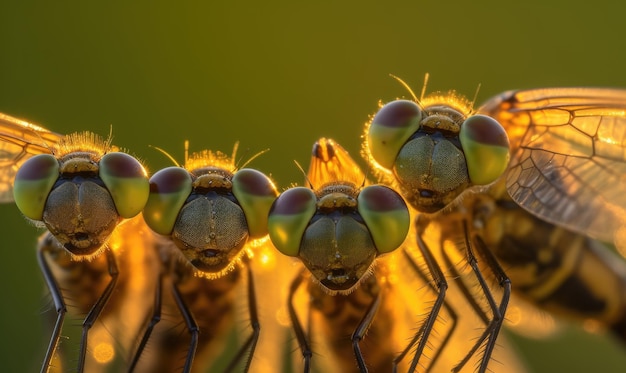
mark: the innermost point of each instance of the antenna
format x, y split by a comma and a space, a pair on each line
426, 76
236, 147
417, 100
168, 154
110, 138
186, 151
304, 173
365, 175
475, 97
253, 157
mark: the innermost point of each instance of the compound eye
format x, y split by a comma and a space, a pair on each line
486, 147
289, 217
127, 181
391, 127
169, 189
255, 193
33, 182
386, 215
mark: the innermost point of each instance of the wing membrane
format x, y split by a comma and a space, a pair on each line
20, 140
331, 162
568, 161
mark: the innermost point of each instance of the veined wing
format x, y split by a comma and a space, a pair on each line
81, 189
564, 143
330, 162
568, 161
20, 140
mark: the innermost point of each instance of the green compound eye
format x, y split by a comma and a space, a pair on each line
486, 147
391, 127
289, 217
255, 193
169, 189
33, 182
386, 215
127, 181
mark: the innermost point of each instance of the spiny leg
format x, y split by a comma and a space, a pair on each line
295, 322
493, 328
251, 341
465, 291
440, 282
59, 305
448, 308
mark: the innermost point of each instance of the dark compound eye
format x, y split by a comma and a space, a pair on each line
486, 147
33, 182
386, 215
169, 189
289, 217
255, 193
127, 181
391, 127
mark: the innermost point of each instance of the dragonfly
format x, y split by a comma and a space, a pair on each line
88, 195
210, 220
527, 190
338, 231
374, 312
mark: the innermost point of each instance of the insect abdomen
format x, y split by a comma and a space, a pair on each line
559, 270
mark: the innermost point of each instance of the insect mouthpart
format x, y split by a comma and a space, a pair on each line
339, 279
80, 243
210, 261
78, 250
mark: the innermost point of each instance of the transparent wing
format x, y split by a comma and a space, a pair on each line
20, 140
568, 152
330, 162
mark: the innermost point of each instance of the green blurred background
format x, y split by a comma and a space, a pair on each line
275, 75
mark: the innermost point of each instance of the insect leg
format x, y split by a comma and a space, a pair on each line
463, 288
97, 308
446, 305
59, 305
192, 327
442, 285
295, 322
250, 343
493, 328
362, 328
156, 317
